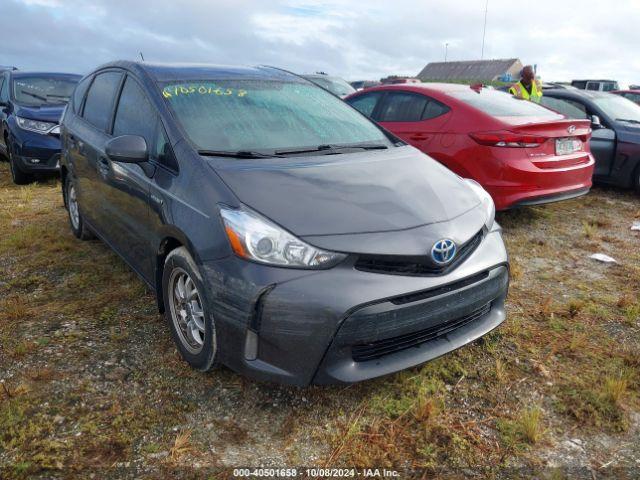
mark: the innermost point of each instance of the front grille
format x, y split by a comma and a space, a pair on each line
414, 266
377, 349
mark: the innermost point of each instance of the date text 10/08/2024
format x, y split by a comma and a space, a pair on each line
315, 472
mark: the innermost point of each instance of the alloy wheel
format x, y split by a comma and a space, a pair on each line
72, 202
187, 310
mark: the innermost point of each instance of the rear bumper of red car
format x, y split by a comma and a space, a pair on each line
525, 183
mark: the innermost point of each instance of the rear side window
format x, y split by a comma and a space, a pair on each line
99, 102
78, 93
501, 104
366, 103
135, 114
410, 107
434, 109
593, 86
402, 107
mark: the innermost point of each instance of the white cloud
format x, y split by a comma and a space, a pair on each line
355, 40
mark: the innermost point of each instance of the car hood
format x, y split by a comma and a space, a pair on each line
49, 113
359, 202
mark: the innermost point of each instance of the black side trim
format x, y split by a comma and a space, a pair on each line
465, 282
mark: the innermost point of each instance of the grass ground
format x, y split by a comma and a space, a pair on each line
90, 382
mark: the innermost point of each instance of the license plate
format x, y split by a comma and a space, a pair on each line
565, 146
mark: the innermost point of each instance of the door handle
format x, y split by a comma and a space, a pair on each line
419, 136
104, 166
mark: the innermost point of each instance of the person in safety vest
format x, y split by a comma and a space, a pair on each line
528, 88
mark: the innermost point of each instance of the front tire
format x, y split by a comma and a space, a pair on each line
187, 312
17, 175
76, 222
636, 179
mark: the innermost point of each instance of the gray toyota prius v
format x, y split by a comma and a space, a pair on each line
286, 235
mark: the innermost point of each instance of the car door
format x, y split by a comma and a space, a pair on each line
162, 156
126, 185
87, 138
415, 118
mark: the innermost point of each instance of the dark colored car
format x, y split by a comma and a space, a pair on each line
362, 84
595, 85
615, 141
335, 85
520, 152
633, 95
285, 234
31, 105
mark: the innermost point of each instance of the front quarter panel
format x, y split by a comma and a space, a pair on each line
185, 206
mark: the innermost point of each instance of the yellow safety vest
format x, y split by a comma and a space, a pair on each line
518, 91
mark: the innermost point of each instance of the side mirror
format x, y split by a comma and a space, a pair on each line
127, 149
595, 122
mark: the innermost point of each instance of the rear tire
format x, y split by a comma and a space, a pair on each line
636, 179
17, 175
78, 227
187, 311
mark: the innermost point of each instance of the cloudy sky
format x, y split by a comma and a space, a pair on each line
356, 40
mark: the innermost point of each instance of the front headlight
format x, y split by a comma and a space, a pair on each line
487, 202
253, 237
35, 125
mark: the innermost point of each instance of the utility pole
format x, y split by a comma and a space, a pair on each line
484, 30
446, 47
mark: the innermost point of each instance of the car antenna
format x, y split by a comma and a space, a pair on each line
141, 56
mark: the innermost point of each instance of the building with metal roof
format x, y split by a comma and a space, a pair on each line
472, 70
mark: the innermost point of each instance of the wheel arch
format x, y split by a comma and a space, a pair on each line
172, 239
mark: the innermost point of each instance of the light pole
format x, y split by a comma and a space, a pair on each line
484, 29
446, 47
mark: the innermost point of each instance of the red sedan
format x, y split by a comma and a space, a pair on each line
520, 152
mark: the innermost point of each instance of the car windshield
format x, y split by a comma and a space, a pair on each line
37, 91
337, 86
501, 104
618, 107
267, 116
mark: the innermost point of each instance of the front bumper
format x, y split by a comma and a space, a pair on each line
36, 153
302, 327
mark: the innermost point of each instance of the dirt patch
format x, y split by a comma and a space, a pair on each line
91, 381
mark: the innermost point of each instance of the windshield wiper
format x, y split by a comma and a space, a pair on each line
39, 97
333, 148
627, 120
236, 154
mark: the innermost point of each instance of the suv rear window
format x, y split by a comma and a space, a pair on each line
501, 104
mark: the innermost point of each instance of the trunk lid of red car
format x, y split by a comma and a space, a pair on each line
550, 144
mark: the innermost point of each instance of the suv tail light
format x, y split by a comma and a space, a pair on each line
508, 139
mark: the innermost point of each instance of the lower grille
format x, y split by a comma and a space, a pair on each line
373, 350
